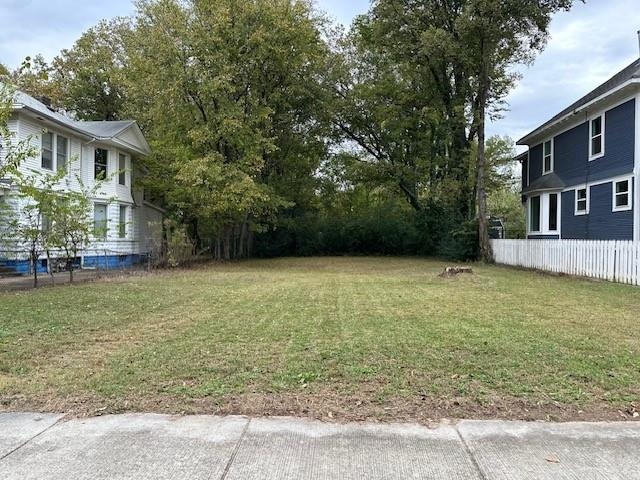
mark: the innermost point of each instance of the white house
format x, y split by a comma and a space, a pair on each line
89, 151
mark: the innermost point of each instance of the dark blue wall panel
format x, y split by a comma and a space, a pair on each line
535, 163
571, 150
601, 223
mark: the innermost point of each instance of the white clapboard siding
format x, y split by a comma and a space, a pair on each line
613, 260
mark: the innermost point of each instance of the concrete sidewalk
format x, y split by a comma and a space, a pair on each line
38, 446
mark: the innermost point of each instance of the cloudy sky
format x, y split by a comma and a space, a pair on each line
588, 45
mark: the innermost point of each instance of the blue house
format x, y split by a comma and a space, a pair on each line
579, 173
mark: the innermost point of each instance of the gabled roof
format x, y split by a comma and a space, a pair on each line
549, 181
108, 131
628, 74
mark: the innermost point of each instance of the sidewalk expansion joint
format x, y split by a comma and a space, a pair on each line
32, 438
227, 468
470, 454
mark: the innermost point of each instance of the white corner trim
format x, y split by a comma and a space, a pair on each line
636, 173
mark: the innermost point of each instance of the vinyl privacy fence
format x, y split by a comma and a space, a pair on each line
616, 261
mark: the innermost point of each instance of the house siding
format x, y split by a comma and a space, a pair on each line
601, 223
535, 163
571, 150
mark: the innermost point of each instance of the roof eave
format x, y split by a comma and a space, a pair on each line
530, 138
51, 118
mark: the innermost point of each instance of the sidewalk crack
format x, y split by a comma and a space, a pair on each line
227, 468
33, 438
470, 454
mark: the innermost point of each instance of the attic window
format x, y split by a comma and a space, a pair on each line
547, 157
596, 135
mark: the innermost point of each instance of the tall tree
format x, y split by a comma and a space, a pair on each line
227, 92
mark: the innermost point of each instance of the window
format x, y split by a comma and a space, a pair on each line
100, 220
100, 164
45, 224
553, 212
547, 157
122, 169
62, 152
596, 134
582, 201
622, 195
534, 214
47, 150
122, 224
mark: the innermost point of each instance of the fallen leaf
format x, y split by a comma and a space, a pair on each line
552, 459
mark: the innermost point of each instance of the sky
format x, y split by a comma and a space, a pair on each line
588, 45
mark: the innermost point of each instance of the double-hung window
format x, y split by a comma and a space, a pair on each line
122, 169
582, 201
100, 163
100, 220
122, 222
622, 195
596, 137
547, 157
47, 151
62, 152
534, 214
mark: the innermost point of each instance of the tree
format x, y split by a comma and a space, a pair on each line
235, 132
89, 75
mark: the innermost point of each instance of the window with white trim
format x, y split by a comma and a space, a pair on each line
552, 219
47, 151
534, 214
101, 159
547, 157
122, 222
596, 136
100, 220
622, 195
122, 169
582, 201
62, 152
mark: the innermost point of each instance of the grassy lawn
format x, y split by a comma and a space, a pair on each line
344, 338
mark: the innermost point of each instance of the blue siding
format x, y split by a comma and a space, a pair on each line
601, 223
523, 176
535, 163
571, 150
110, 262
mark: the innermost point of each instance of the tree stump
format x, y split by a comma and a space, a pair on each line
453, 271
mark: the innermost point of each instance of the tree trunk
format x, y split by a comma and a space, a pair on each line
34, 265
485, 253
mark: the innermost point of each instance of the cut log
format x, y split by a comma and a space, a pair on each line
453, 271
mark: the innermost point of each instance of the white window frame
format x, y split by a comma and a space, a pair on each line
551, 145
629, 193
558, 211
123, 171
595, 156
106, 170
545, 204
66, 153
540, 216
123, 231
105, 235
54, 151
587, 188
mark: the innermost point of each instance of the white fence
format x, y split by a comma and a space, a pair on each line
616, 261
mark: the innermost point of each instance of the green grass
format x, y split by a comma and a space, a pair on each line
361, 337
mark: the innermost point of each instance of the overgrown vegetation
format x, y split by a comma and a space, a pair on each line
355, 337
268, 124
